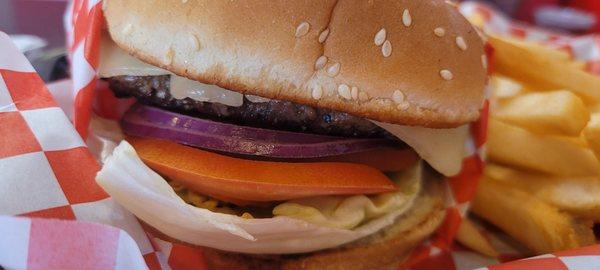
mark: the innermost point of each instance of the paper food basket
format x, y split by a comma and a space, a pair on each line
66, 221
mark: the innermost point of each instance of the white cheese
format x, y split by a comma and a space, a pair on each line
116, 62
182, 87
257, 99
443, 149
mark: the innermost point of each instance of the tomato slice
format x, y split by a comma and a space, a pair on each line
246, 180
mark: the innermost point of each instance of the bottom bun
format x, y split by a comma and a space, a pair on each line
387, 249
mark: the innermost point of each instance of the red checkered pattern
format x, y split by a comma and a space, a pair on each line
58, 244
47, 171
83, 27
577, 259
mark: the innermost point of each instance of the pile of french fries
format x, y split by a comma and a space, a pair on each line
542, 181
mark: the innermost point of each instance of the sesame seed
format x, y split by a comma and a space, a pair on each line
302, 29
440, 32
406, 18
484, 61
354, 92
333, 70
344, 91
386, 49
446, 74
398, 96
460, 42
317, 92
321, 62
184, 1
403, 106
380, 37
169, 56
127, 29
323, 36
247, 215
363, 96
387, 102
195, 42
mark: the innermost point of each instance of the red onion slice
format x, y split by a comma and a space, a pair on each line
146, 121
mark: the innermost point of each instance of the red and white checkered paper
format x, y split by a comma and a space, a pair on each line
46, 171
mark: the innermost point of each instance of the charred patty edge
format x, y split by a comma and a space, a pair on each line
273, 114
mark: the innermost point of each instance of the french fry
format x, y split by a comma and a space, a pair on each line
582, 65
579, 140
471, 237
538, 225
515, 146
546, 193
547, 52
499, 172
543, 67
579, 196
594, 108
504, 87
557, 112
592, 133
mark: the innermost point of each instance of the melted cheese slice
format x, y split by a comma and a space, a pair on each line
443, 149
116, 62
183, 87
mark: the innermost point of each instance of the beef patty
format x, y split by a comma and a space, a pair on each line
274, 114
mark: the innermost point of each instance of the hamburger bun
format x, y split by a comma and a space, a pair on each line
426, 69
387, 249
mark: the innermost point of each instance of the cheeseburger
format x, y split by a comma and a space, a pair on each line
290, 134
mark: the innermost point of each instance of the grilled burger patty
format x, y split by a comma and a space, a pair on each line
283, 115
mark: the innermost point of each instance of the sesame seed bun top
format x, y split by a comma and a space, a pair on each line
409, 62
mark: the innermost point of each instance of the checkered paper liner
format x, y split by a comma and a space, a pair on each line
62, 186
46, 171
